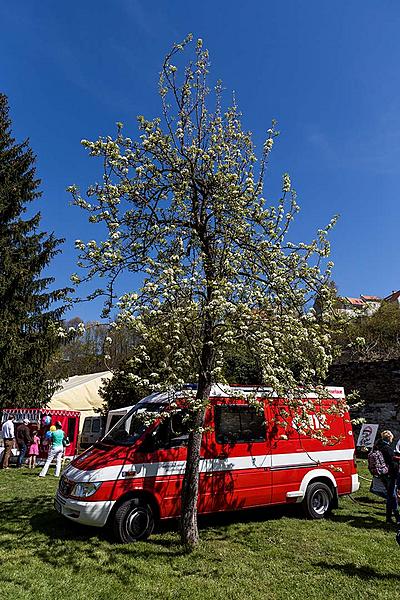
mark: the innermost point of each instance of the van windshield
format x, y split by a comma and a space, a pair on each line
133, 425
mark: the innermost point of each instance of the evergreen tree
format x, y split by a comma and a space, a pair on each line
28, 323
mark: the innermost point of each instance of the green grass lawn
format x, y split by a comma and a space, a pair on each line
265, 554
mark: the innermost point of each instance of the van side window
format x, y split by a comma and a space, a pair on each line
238, 423
114, 420
173, 431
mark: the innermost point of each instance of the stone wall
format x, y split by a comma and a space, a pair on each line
379, 385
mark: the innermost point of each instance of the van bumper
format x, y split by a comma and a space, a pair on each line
355, 483
86, 513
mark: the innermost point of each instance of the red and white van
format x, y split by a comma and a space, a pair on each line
250, 457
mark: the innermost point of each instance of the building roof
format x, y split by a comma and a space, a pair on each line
370, 298
393, 296
365, 299
353, 301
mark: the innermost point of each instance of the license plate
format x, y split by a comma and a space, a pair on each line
57, 506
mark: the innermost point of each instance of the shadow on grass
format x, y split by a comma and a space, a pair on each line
34, 528
222, 520
34, 523
362, 521
363, 572
370, 501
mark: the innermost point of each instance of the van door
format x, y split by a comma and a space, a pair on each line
165, 453
240, 456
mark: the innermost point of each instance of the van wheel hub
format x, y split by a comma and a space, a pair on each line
320, 502
137, 522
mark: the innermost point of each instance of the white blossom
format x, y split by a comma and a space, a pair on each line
185, 211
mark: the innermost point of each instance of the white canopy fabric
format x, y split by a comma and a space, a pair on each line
80, 392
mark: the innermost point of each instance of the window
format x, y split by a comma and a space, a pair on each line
173, 432
133, 425
86, 425
114, 420
239, 423
96, 425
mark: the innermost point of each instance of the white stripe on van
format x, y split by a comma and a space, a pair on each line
165, 469
306, 458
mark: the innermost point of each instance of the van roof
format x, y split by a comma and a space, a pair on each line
219, 390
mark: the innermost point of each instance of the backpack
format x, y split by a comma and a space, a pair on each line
376, 463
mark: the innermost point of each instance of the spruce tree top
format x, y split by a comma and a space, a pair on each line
28, 321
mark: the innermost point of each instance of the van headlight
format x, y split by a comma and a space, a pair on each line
84, 490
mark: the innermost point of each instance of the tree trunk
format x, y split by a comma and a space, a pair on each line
190, 487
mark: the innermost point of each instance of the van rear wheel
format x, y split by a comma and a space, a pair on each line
133, 521
317, 502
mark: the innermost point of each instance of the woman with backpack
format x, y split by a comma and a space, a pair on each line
389, 478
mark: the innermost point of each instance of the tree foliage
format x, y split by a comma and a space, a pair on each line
183, 204
90, 347
131, 383
28, 323
375, 337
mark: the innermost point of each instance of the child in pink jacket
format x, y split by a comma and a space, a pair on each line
33, 450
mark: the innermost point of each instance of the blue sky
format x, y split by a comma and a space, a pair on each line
327, 70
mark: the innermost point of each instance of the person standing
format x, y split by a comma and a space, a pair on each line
23, 437
390, 478
7, 431
55, 451
33, 452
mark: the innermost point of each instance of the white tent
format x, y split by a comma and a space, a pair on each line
80, 392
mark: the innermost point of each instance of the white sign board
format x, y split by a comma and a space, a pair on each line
367, 435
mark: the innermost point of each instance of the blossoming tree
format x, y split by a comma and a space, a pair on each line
183, 205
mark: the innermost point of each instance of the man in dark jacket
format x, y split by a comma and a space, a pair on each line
384, 445
23, 438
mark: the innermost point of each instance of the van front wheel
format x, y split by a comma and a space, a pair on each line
318, 500
133, 521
